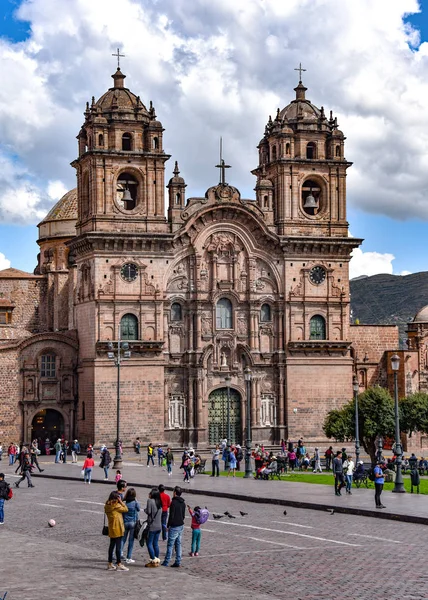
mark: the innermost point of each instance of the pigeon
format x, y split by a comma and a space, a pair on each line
227, 513
285, 513
231, 516
217, 516
243, 514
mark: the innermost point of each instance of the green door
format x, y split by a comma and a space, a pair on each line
217, 416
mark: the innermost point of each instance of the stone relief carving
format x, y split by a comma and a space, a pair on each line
207, 324
242, 325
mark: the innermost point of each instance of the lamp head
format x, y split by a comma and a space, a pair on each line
395, 362
355, 385
247, 374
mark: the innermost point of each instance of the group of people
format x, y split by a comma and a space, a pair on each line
164, 516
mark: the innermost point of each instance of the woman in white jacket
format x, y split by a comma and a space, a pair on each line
348, 467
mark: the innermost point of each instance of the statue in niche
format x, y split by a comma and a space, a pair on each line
223, 359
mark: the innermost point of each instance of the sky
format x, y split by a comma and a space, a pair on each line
220, 69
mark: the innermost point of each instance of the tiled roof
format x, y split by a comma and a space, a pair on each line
65, 209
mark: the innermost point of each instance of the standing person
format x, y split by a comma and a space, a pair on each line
34, 451
160, 455
114, 509
215, 462
105, 461
317, 461
26, 468
283, 447
196, 530
344, 455
169, 461
224, 457
118, 476
166, 503
328, 458
58, 448
11, 452
64, 451
150, 452
88, 465
154, 520
339, 482
239, 456
4, 496
75, 450
137, 446
348, 467
129, 521
292, 458
232, 462
379, 481
121, 488
186, 465
177, 513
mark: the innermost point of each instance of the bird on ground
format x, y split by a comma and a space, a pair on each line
227, 513
217, 516
243, 514
285, 513
231, 516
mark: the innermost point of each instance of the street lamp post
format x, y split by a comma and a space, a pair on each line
356, 388
399, 485
228, 380
248, 469
118, 353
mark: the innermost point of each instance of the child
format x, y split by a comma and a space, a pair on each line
118, 476
196, 531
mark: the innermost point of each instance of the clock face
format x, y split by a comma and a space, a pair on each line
317, 275
129, 272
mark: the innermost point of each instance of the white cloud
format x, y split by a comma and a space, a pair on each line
56, 190
219, 69
4, 262
369, 263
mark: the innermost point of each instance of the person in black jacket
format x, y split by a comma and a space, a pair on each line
339, 481
175, 525
27, 467
4, 496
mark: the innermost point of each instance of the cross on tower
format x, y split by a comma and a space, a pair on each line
300, 69
222, 165
118, 56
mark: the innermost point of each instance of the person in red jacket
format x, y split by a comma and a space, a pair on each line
166, 503
88, 465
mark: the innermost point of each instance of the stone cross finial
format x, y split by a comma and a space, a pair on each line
300, 69
118, 56
222, 165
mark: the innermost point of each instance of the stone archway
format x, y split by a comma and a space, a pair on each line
217, 416
47, 423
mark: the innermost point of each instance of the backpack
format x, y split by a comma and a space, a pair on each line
201, 516
239, 455
9, 494
371, 475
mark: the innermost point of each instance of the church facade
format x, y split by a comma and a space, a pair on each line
200, 288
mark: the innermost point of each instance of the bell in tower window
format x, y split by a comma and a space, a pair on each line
127, 191
311, 197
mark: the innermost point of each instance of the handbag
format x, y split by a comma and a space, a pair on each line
143, 533
105, 527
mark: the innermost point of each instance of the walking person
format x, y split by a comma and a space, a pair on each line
177, 513
129, 521
160, 455
154, 519
339, 482
75, 450
379, 481
186, 465
26, 467
114, 508
166, 503
105, 461
317, 461
34, 452
4, 496
137, 445
88, 465
196, 529
349, 465
58, 448
169, 461
11, 452
216, 462
150, 457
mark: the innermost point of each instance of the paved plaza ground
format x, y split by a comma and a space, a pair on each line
305, 554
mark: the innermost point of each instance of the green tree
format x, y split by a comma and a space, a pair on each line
414, 413
376, 418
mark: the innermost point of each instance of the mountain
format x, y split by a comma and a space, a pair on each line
388, 299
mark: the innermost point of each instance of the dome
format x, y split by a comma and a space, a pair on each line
119, 97
422, 315
265, 183
61, 219
300, 108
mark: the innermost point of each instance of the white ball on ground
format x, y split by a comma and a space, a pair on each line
51, 523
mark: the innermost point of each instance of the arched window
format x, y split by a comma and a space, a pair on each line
311, 150
48, 366
101, 140
155, 143
274, 153
311, 197
265, 313
176, 312
317, 328
178, 198
224, 314
129, 327
126, 141
127, 191
265, 201
287, 148
338, 151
